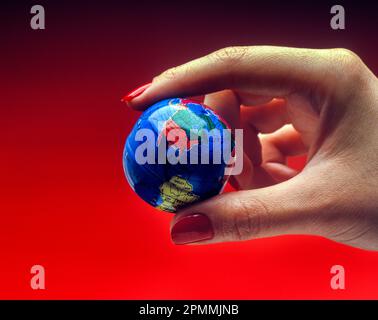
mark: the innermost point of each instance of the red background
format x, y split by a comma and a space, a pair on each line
64, 201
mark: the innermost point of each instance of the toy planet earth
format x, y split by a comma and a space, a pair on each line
168, 185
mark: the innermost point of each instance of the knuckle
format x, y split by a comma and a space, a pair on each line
346, 56
250, 219
350, 68
169, 74
175, 73
229, 55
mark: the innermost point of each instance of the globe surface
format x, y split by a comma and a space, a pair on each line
170, 185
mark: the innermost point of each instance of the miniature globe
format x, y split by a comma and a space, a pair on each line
177, 154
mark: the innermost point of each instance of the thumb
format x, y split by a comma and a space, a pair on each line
296, 206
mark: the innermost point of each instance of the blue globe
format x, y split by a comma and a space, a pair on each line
171, 159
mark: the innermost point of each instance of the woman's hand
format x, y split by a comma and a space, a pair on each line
289, 101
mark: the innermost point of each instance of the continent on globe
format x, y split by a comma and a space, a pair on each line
176, 193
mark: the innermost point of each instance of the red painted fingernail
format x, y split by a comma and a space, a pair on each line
193, 228
137, 92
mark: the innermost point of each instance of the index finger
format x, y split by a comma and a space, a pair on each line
261, 70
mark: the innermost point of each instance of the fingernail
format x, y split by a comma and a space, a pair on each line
137, 92
193, 228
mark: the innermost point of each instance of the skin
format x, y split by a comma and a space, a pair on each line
289, 101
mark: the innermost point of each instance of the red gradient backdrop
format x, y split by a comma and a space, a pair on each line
64, 201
